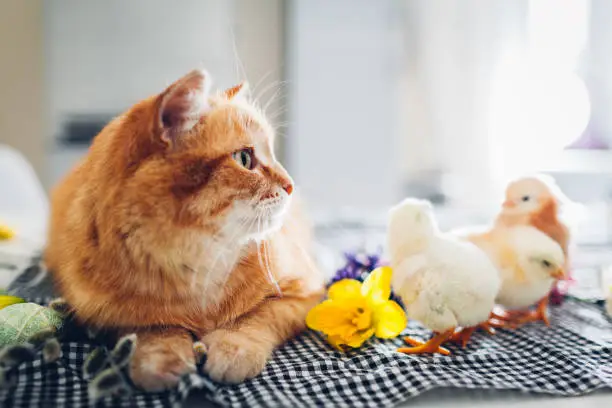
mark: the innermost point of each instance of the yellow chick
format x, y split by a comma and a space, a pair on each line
536, 201
529, 263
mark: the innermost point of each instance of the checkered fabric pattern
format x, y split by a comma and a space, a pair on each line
573, 357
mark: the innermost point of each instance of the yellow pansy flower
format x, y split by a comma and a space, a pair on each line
355, 311
6, 233
7, 300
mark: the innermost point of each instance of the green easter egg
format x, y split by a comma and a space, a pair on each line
21, 321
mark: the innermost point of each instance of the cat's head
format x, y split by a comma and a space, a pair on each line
203, 160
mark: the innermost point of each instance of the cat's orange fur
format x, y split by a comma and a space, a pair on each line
161, 231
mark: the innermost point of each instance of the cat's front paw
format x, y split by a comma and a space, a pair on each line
233, 357
160, 362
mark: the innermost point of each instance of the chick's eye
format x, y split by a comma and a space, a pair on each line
546, 264
525, 198
245, 158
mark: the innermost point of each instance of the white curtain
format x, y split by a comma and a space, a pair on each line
489, 91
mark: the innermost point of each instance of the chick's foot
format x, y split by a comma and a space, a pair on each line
432, 346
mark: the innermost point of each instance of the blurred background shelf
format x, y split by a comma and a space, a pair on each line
581, 162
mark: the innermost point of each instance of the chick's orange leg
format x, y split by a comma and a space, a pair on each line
488, 326
542, 310
507, 319
540, 314
463, 336
432, 346
508, 315
495, 323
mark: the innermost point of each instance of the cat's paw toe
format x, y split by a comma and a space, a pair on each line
160, 372
160, 367
233, 357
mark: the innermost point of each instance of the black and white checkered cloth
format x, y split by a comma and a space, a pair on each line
573, 357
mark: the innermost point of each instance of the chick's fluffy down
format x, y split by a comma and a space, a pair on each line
449, 284
528, 279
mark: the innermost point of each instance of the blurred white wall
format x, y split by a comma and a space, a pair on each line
343, 60
386, 98
452, 47
597, 68
260, 46
103, 56
22, 97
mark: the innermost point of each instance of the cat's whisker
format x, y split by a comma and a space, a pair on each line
261, 81
264, 261
267, 89
222, 248
251, 224
272, 99
277, 114
271, 276
265, 264
307, 257
261, 263
280, 110
223, 278
238, 61
279, 128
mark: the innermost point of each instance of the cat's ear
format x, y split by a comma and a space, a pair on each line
183, 104
237, 91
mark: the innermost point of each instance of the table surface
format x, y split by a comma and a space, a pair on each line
474, 398
434, 398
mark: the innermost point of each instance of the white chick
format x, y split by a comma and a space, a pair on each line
529, 262
444, 282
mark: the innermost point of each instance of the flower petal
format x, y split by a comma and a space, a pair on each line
336, 342
377, 286
336, 317
390, 320
344, 289
324, 315
357, 339
7, 300
362, 319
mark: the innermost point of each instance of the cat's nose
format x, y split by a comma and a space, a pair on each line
288, 187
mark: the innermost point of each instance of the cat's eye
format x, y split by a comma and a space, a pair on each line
525, 198
245, 158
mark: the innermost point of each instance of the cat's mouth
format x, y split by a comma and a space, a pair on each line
271, 212
258, 220
276, 204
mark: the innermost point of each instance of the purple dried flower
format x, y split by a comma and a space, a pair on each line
556, 296
560, 290
374, 261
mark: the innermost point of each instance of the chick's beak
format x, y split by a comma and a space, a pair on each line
558, 273
509, 204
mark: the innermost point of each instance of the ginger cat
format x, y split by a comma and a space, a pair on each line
178, 225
